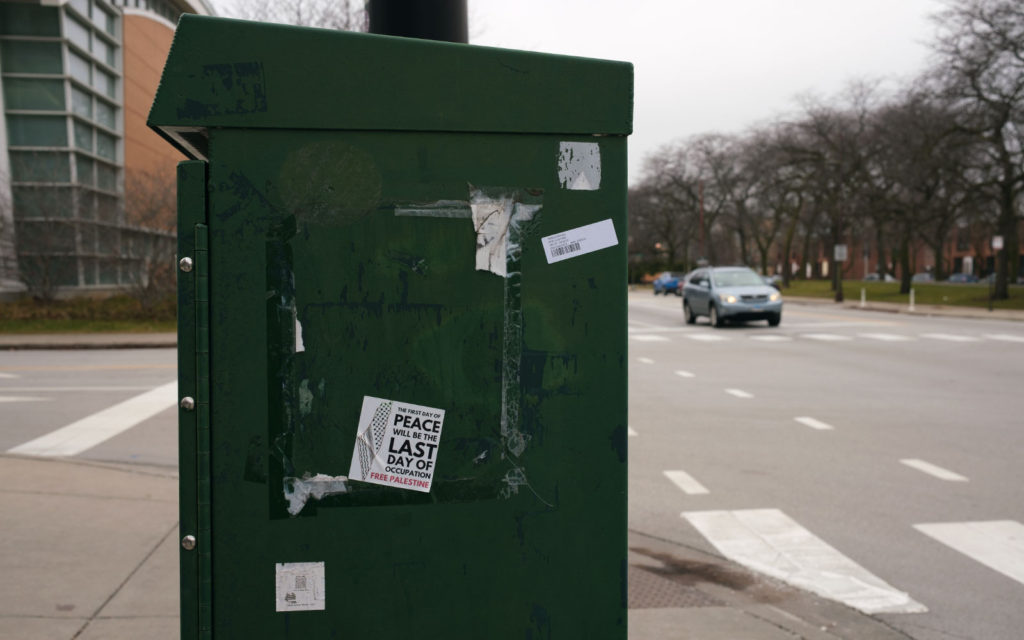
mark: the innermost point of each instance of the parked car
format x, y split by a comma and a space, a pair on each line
873, 277
962, 278
922, 277
726, 294
667, 282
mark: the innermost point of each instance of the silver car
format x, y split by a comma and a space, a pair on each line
730, 293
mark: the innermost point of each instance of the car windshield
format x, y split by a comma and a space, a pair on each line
737, 278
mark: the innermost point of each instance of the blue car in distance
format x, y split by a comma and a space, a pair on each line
725, 294
667, 282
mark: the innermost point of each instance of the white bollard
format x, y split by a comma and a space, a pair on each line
863, 298
911, 299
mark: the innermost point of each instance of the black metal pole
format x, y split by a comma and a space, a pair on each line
427, 19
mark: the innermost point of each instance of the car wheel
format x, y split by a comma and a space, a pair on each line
688, 313
774, 320
655, 290
716, 320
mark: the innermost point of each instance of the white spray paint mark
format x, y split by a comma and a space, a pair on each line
298, 491
579, 166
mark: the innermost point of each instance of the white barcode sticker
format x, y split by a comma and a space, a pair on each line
579, 241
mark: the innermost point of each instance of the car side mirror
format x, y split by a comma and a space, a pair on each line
702, 283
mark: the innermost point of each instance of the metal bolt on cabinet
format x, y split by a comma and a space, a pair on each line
402, 335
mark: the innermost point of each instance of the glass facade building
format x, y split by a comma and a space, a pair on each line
63, 221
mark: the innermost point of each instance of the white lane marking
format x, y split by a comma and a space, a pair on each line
659, 329
1005, 337
99, 427
814, 424
772, 338
642, 337
770, 542
933, 470
886, 337
838, 325
707, 337
684, 374
8, 376
686, 483
48, 389
826, 337
20, 399
999, 544
631, 431
641, 324
739, 393
949, 337
645, 360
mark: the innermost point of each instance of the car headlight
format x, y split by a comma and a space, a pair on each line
775, 297
725, 297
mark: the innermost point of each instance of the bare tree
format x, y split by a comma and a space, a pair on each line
981, 45
344, 15
149, 239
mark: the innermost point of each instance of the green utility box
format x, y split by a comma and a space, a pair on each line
402, 336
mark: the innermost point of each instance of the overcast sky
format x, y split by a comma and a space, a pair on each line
718, 65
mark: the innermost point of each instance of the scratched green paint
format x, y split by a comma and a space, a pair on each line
302, 226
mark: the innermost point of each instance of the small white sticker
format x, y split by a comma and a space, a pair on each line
396, 444
578, 241
300, 586
579, 166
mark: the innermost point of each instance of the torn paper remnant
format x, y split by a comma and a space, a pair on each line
579, 166
298, 491
300, 586
494, 218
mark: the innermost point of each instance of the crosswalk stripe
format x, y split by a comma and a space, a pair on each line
706, 337
933, 470
739, 393
886, 337
647, 337
645, 360
684, 374
92, 430
21, 399
772, 338
808, 421
686, 483
1005, 337
949, 337
826, 337
631, 431
999, 545
7, 376
770, 542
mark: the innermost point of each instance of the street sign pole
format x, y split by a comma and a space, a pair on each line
839, 253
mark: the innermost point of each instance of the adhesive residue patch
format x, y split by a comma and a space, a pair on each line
579, 166
396, 444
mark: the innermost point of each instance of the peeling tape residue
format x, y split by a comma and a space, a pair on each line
298, 491
579, 166
496, 219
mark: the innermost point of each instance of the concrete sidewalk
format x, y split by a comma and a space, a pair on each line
87, 551
90, 551
87, 340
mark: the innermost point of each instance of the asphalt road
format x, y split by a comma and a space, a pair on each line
875, 434
870, 457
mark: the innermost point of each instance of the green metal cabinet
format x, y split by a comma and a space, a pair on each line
402, 322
